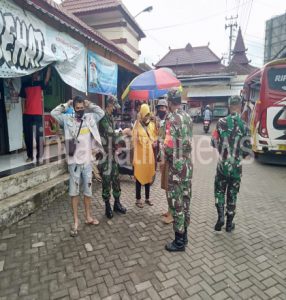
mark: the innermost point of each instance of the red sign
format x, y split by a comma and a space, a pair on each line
51, 126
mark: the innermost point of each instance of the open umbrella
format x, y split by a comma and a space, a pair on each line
151, 84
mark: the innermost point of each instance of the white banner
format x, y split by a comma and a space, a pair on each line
27, 44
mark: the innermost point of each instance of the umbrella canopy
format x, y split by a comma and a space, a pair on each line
151, 84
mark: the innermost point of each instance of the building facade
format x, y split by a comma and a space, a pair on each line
60, 39
275, 38
112, 19
206, 81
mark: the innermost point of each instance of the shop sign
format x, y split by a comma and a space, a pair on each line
102, 75
27, 45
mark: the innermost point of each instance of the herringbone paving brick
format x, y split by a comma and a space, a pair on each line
124, 258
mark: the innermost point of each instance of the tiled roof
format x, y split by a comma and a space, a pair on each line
240, 69
75, 6
80, 7
239, 43
200, 69
240, 58
187, 56
65, 18
239, 53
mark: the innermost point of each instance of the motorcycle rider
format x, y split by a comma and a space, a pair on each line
207, 114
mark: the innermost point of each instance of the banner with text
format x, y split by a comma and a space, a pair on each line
27, 45
102, 75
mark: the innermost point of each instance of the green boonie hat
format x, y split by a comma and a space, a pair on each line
113, 100
174, 96
234, 100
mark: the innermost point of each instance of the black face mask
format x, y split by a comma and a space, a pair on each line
161, 114
79, 114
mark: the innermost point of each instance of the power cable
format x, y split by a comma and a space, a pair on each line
248, 16
187, 23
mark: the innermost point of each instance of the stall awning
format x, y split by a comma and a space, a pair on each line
203, 92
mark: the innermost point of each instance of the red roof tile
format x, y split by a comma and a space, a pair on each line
188, 56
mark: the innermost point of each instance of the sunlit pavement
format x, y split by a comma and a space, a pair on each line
125, 258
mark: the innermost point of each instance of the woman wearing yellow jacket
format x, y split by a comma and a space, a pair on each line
144, 136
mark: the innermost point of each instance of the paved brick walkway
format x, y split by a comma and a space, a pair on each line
125, 258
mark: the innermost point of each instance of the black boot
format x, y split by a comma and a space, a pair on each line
220, 219
186, 236
229, 224
177, 244
108, 210
118, 207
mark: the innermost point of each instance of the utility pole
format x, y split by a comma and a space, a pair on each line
231, 24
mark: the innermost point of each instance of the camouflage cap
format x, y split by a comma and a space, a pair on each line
234, 100
113, 100
162, 102
174, 96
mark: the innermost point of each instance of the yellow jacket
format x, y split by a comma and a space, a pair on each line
143, 138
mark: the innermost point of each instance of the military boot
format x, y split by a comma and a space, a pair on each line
177, 244
229, 224
108, 210
118, 207
186, 236
220, 219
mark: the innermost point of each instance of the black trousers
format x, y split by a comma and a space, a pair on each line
138, 190
29, 123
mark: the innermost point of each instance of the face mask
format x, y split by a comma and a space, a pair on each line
161, 114
79, 114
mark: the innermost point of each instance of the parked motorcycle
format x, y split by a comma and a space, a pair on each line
206, 125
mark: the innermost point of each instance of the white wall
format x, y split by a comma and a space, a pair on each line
123, 32
14, 113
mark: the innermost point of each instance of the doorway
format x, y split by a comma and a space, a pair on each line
4, 142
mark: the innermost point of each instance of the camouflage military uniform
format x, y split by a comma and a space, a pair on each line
178, 155
109, 168
230, 138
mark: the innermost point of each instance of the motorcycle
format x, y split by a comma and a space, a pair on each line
206, 125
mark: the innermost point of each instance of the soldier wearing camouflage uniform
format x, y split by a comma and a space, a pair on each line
177, 151
233, 144
109, 167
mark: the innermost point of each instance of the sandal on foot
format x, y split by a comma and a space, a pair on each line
149, 202
73, 232
139, 203
92, 222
